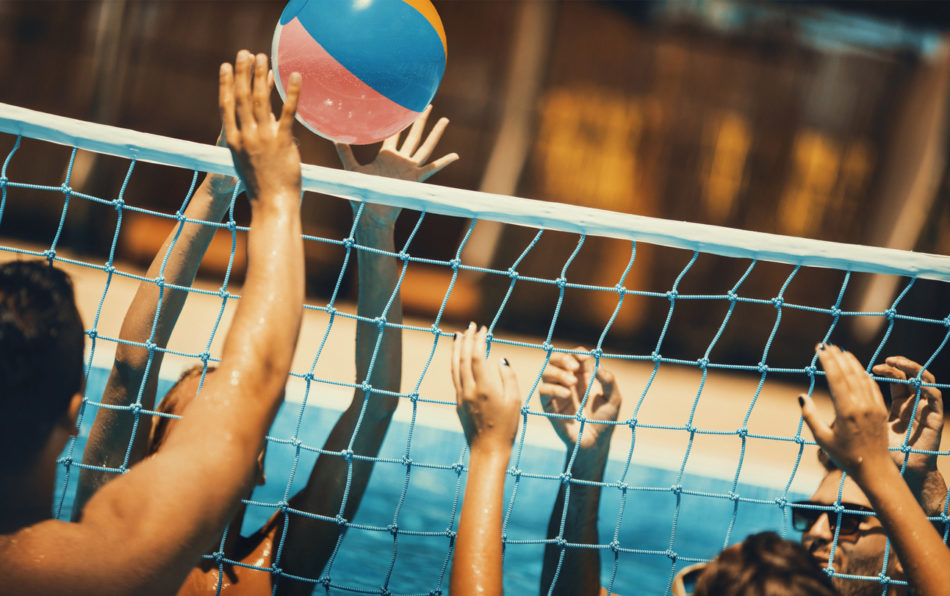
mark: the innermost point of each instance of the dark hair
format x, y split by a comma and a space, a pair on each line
173, 403
41, 357
764, 564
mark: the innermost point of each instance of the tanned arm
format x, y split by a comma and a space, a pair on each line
565, 381
143, 532
184, 248
309, 543
857, 442
488, 405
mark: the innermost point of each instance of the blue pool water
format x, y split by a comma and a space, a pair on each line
417, 562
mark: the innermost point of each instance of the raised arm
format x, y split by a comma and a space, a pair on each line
488, 406
177, 261
565, 381
921, 473
857, 441
143, 532
310, 543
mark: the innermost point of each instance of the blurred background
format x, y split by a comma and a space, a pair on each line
825, 120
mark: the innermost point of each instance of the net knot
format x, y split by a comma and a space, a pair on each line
450, 534
324, 581
66, 189
435, 593
733, 496
883, 578
777, 302
835, 312
348, 242
123, 469
632, 423
151, 346
742, 433
489, 336
340, 520
180, 216
525, 410
560, 282
414, 396
135, 408
904, 448
218, 556
380, 322
275, 570
623, 486
296, 443
811, 370
614, 546
92, 333
515, 473
800, 440
565, 477
512, 273
890, 314
160, 281
231, 225
620, 289
689, 428
117, 203
406, 461
672, 295
435, 329
946, 322
283, 506
597, 353
547, 347
393, 529
655, 356
676, 489
837, 507
50, 254
703, 362
224, 294
916, 382
782, 502
403, 256
309, 377
458, 467
65, 461
204, 356
3, 181
672, 554
331, 311
560, 542
732, 296
762, 367
347, 454
384, 591
455, 263
110, 269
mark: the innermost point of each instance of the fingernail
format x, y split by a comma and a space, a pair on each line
821, 347
505, 361
455, 335
801, 401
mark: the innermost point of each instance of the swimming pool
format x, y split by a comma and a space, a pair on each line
417, 563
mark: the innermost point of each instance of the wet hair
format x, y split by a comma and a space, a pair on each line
764, 564
173, 403
41, 358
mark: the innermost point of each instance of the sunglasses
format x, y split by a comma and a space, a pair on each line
806, 513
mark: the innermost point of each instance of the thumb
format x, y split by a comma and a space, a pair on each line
346, 156
509, 380
821, 431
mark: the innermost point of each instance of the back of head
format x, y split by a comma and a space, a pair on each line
765, 564
41, 358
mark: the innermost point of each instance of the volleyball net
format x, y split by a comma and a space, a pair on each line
710, 332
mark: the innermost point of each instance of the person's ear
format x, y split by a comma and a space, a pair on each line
68, 421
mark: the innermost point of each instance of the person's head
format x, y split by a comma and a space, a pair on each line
764, 564
41, 364
861, 538
175, 401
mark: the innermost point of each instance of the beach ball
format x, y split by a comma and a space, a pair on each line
369, 67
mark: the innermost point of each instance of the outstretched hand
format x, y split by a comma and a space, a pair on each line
928, 420
263, 147
564, 382
403, 163
857, 440
487, 398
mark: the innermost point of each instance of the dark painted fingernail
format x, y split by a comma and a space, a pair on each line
801, 401
505, 360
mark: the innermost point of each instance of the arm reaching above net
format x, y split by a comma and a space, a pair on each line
143, 532
176, 263
857, 441
566, 382
310, 543
488, 405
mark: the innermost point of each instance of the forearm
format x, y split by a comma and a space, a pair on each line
580, 568
930, 490
924, 556
180, 255
378, 276
477, 562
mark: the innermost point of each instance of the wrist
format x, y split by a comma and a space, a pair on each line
490, 453
589, 463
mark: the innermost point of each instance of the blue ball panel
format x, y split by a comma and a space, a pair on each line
387, 44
